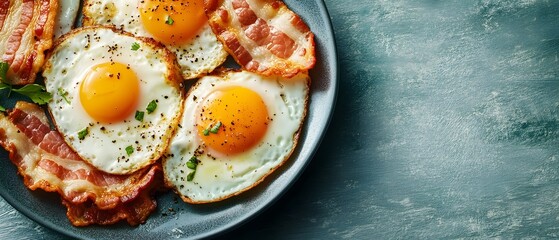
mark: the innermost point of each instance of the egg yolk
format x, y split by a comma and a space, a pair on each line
110, 92
172, 21
232, 120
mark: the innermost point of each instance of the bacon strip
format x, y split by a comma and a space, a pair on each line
135, 212
14, 41
26, 31
263, 36
4, 5
42, 18
91, 196
258, 30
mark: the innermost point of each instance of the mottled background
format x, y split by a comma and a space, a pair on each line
446, 126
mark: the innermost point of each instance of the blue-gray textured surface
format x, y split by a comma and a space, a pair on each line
446, 126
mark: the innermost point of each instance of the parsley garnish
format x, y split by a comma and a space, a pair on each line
151, 106
4, 66
3, 86
63, 93
216, 127
35, 92
135, 46
129, 150
83, 133
139, 116
6, 86
169, 20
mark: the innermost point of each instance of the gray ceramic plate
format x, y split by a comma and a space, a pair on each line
174, 218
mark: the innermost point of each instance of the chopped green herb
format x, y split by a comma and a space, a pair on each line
216, 127
83, 133
2, 109
63, 93
135, 46
190, 176
192, 163
139, 116
169, 20
129, 150
4, 66
206, 132
151, 106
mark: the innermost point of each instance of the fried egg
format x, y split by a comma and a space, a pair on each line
181, 25
117, 99
237, 128
65, 17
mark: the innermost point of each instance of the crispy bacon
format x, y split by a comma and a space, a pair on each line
263, 36
26, 31
4, 5
46, 162
135, 212
42, 18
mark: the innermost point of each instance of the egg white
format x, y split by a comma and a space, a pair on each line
105, 145
196, 58
66, 16
217, 178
